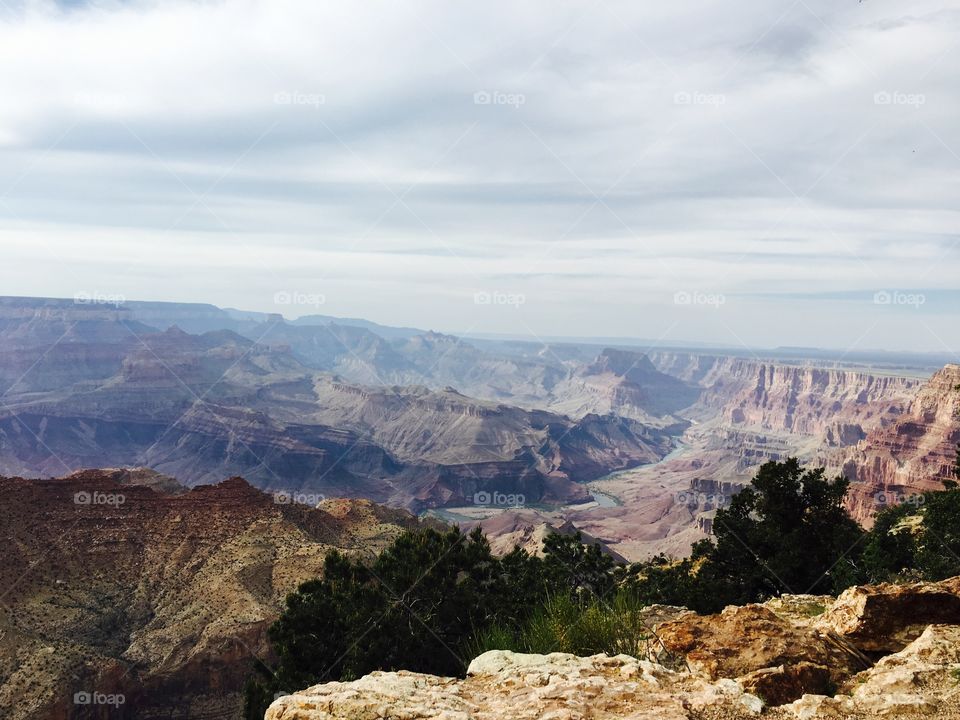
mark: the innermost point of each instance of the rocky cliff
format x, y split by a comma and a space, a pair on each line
839, 406
110, 586
912, 453
53, 344
885, 651
202, 407
625, 383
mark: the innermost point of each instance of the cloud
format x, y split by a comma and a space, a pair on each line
597, 157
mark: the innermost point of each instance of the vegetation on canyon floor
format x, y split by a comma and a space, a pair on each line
434, 600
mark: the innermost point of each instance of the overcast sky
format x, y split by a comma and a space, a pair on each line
743, 172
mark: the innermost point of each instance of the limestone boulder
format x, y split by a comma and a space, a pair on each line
921, 681
502, 684
774, 655
886, 618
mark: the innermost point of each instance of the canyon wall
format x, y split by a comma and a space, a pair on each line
838, 406
203, 407
911, 454
117, 588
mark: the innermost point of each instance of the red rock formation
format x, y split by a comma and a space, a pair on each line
114, 587
837, 405
912, 454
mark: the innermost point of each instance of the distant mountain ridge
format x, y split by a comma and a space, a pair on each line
427, 420
87, 385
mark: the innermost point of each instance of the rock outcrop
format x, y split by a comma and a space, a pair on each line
792, 658
920, 681
886, 618
776, 657
911, 454
836, 406
502, 684
111, 585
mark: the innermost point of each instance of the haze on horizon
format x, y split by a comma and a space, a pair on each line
739, 173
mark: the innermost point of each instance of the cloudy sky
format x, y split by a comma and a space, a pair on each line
741, 172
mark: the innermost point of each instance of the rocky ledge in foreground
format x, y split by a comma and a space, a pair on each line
886, 651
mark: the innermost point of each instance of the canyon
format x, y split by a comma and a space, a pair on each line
913, 453
157, 577
637, 449
204, 407
750, 411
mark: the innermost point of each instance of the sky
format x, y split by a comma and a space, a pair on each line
743, 172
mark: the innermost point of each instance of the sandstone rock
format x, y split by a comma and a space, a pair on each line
885, 618
812, 707
783, 684
773, 655
155, 596
912, 454
502, 684
921, 681
919, 677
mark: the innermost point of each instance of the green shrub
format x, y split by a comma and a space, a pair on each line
434, 600
584, 626
417, 607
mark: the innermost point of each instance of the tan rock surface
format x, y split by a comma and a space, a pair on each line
886, 618
754, 643
502, 685
776, 651
921, 681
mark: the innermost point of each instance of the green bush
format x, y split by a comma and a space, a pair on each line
916, 541
786, 533
584, 626
434, 600
416, 607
